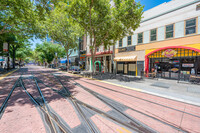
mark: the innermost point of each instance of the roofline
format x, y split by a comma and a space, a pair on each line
171, 11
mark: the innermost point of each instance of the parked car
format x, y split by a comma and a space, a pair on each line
62, 67
74, 69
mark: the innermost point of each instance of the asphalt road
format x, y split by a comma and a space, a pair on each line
46, 100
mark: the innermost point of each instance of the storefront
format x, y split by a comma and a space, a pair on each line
82, 61
129, 62
173, 62
103, 60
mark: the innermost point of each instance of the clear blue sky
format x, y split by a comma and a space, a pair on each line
148, 4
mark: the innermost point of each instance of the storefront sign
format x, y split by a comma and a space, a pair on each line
122, 50
126, 49
187, 65
174, 69
169, 53
5, 47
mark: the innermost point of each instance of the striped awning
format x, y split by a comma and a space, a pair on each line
126, 58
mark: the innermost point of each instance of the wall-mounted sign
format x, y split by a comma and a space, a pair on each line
122, 50
5, 47
174, 69
126, 49
169, 53
187, 65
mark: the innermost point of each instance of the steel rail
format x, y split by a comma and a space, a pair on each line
8, 97
146, 129
44, 110
95, 94
94, 109
76, 106
144, 99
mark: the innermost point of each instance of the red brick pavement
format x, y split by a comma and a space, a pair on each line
174, 117
21, 116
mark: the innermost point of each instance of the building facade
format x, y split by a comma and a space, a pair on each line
167, 41
103, 58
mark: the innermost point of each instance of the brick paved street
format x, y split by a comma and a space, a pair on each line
92, 106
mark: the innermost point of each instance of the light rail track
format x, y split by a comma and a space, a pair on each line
143, 99
97, 95
132, 125
51, 119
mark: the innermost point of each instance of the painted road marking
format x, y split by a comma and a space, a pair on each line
5, 75
122, 130
126, 130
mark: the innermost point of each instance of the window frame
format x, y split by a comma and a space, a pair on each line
129, 41
196, 25
138, 38
153, 35
119, 43
169, 31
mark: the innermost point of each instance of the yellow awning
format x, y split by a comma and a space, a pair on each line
126, 58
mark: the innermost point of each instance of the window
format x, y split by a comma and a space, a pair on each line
97, 49
140, 38
153, 35
169, 32
120, 43
129, 40
190, 26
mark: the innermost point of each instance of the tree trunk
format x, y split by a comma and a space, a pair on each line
67, 59
13, 57
8, 61
93, 53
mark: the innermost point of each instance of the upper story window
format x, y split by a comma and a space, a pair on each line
120, 43
129, 40
98, 49
153, 35
169, 32
190, 26
140, 38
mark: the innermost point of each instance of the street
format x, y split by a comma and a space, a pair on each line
47, 100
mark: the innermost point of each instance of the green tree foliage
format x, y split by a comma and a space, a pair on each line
24, 16
104, 22
46, 52
62, 30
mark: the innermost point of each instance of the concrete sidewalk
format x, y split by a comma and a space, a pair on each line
184, 92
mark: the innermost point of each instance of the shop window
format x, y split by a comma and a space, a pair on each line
120, 43
129, 40
190, 27
169, 31
153, 35
198, 7
140, 38
97, 49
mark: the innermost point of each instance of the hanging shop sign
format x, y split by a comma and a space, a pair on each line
187, 65
5, 47
169, 53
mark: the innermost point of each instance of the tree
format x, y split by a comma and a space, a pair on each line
46, 51
23, 53
24, 16
62, 30
104, 22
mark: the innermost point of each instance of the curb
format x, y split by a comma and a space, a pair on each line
5, 75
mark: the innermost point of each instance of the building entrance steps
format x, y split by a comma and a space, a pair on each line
184, 92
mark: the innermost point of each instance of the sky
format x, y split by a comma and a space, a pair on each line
148, 4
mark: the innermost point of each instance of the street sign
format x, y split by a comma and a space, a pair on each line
5, 47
